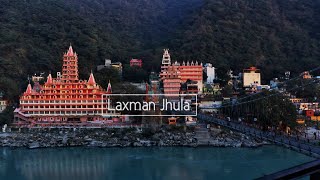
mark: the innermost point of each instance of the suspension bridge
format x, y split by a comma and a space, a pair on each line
311, 169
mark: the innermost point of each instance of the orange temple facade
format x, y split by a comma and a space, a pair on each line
173, 74
172, 81
64, 99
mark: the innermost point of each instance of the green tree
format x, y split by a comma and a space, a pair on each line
107, 74
227, 91
134, 74
271, 109
10, 88
6, 117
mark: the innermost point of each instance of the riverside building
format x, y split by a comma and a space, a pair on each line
64, 99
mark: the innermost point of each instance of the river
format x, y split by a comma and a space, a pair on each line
168, 163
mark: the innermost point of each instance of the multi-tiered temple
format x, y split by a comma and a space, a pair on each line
174, 74
64, 99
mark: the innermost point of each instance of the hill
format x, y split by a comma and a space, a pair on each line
275, 35
34, 34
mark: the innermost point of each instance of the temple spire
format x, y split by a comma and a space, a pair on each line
109, 89
166, 60
70, 67
91, 80
29, 89
49, 79
70, 51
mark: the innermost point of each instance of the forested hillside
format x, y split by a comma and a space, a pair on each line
34, 34
275, 35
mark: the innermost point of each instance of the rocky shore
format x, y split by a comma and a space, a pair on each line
130, 137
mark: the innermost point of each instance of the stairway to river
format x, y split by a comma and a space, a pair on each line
202, 134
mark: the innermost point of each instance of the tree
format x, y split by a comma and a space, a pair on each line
271, 109
227, 91
134, 74
107, 74
10, 88
6, 117
304, 88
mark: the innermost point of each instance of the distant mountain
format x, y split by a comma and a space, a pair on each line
275, 35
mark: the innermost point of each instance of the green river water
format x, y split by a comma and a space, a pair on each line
167, 163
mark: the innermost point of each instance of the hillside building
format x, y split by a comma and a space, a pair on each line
153, 87
306, 75
136, 62
172, 80
3, 105
251, 77
210, 70
189, 87
108, 64
173, 73
37, 78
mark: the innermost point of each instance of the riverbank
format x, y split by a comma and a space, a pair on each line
129, 137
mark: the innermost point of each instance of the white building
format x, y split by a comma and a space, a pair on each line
210, 70
37, 78
107, 62
251, 77
3, 105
